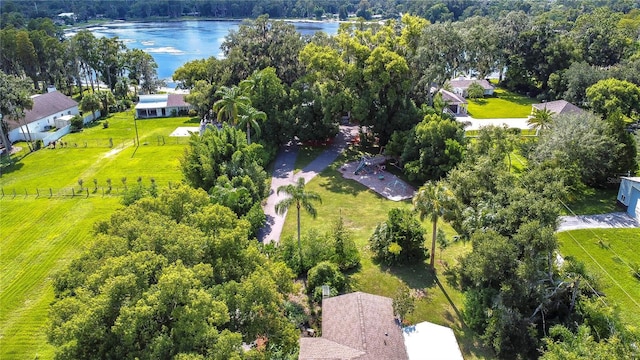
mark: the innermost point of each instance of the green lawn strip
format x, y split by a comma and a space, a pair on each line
504, 104
362, 210
62, 167
38, 239
624, 248
594, 201
306, 154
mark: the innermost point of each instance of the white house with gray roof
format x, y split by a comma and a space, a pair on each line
45, 115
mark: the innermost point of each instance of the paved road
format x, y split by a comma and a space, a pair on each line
476, 124
283, 175
601, 221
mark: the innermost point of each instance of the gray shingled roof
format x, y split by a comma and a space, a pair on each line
451, 98
176, 100
356, 323
465, 83
45, 105
558, 107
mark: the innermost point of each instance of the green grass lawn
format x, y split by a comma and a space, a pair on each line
306, 154
38, 236
504, 104
608, 264
594, 201
362, 210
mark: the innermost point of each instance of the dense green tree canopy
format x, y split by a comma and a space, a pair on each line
168, 277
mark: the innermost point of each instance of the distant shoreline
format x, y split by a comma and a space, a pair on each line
101, 22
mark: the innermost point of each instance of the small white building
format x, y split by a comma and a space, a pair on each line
161, 105
43, 116
629, 196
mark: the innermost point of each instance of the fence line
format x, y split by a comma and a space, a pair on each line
120, 142
68, 192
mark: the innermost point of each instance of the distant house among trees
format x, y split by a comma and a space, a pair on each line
629, 196
49, 111
460, 86
558, 107
161, 105
455, 103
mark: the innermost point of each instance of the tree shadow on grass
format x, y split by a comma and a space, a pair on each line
337, 184
416, 276
480, 102
7, 166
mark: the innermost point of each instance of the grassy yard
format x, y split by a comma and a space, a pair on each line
63, 167
594, 201
504, 104
362, 210
306, 154
607, 254
40, 235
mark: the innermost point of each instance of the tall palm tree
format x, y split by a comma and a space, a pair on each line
541, 119
301, 199
432, 201
249, 117
230, 100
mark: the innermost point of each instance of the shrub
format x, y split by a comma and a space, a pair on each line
256, 218
314, 250
77, 123
399, 240
345, 254
325, 273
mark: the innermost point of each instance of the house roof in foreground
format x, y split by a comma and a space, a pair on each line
356, 326
452, 98
43, 106
558, 107
465, 83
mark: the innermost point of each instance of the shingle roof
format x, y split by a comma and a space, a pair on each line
558, 107
465, 83
363, 323
452, 98
176, 100
44, 105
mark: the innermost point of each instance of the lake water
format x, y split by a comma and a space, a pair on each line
174, 43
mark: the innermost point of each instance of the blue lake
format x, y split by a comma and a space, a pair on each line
174, 43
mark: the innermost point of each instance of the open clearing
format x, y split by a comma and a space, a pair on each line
504, 104
609, 254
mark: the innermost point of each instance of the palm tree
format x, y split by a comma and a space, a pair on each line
249, 117
230, 100
301, 198
541, 119
432, 200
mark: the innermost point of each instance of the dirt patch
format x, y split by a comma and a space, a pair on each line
380, 181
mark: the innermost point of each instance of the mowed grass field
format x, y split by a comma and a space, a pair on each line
362, 209
40, 235
504, 104
607, 254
